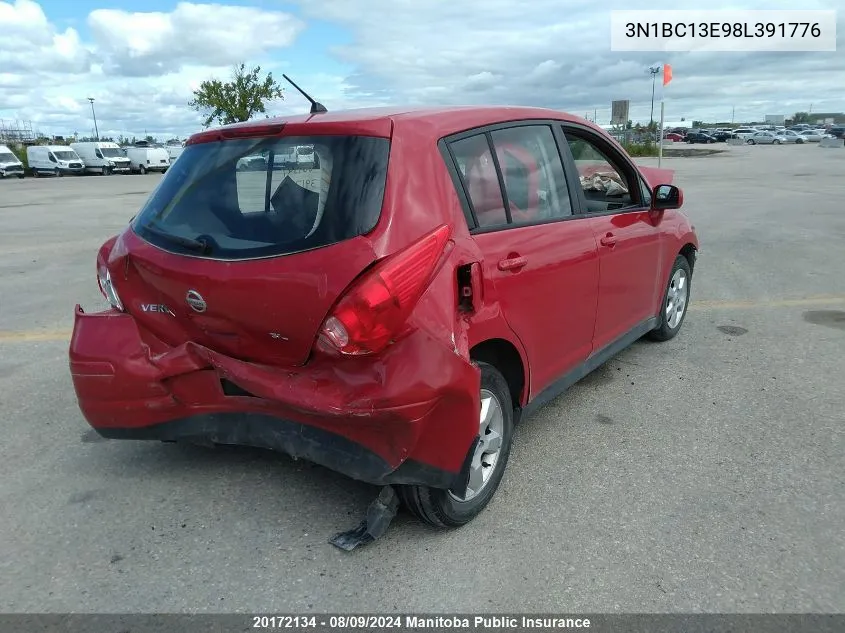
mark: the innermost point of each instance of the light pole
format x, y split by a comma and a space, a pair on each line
96, 131
653, 70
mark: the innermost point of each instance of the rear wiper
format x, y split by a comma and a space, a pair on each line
195, 245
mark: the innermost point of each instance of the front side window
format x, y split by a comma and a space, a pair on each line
604, 180
244, 198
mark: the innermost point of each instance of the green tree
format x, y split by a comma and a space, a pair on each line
801, 117
237, 100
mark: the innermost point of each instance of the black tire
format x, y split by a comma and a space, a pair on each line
34, 173
439, 507
142, 170
777, 142
664, 331
750, 141
57, 173
799, 141
106, 171
21, 176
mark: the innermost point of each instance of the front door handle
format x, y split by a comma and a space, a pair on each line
608, 240
512, 263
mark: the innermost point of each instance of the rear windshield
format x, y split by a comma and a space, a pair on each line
246, 198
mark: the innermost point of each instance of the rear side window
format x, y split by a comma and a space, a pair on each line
247, 198
535, 182
528, 162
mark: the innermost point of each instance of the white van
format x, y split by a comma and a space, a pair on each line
144, 159
102, 157
9, 163
174, 149
57, 160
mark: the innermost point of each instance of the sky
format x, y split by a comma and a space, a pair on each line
140, 61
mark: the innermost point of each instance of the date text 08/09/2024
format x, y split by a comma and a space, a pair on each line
417, 622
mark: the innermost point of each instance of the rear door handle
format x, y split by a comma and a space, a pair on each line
512, 263
608, 240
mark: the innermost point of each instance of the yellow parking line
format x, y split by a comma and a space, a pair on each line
27, 336
774, 303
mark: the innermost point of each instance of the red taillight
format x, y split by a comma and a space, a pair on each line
375, 308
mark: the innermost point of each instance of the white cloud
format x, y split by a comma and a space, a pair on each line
29, 43
155, 43
141, 66
557, 54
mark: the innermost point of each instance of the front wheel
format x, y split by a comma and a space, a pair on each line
675, 301
443, 508
750, 141
57, 173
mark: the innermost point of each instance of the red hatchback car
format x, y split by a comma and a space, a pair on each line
383, 292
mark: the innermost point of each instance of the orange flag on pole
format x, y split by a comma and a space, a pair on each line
667, 74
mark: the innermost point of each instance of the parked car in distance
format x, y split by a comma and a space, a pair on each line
56, 160
674, 137
102, 157
813, 136
790, 136
720, 135
837, 131
10, 164
699, 137
765, 138
392, 329
144, 159
744, 132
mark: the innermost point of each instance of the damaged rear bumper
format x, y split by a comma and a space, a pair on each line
408, 417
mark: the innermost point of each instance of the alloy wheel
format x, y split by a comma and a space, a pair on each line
490, 429
676, 299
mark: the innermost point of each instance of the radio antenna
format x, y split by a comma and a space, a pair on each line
316, 106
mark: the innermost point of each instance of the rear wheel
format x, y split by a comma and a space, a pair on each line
34, 173
750, 141
675, 301
443, 508
142, 170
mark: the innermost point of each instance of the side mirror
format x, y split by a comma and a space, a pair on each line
667, 197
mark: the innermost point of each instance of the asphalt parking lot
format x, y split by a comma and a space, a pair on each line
702, 474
